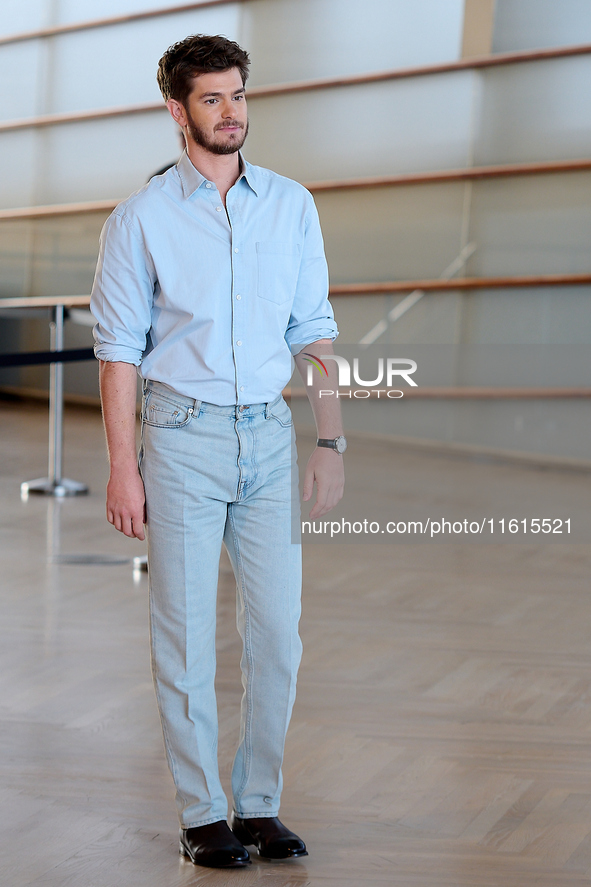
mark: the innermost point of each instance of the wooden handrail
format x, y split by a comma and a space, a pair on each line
453, 175
110, 20
58, 209
484, 61
361, 289
45, 301
433, 177
506, 58
458, 283
80, 116
466, 393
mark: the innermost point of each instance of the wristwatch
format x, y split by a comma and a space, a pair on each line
339, 444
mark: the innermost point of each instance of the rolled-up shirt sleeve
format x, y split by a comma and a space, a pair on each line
312, 316
122, 293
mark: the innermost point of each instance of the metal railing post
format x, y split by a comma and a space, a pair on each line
56, 398
54, 484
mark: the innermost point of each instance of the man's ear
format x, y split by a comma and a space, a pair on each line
177, 112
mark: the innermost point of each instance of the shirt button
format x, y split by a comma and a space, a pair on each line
242, 387
208, 185
239, 342
218, 209
238, 297
236, 250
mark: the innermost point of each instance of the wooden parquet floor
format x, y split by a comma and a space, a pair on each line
442, 731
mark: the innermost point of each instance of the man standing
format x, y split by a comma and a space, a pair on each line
208, 279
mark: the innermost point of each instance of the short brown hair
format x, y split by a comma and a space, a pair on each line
197, 55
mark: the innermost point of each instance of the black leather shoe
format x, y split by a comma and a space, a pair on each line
214, 846
271, 838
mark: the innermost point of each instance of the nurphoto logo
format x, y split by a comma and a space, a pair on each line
387, 369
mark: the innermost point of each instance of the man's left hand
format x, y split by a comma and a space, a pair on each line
325, 468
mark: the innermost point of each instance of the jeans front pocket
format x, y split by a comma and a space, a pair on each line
281, 413
163, 412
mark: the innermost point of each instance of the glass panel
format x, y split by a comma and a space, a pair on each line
391, 233
104, 158
20, 66
535, 111
536, 315
372, 129
543, 314
114, 66
16, 242
346, 38
23, 15
435, 319
65, 254
83, 10
17, 160
49, 256
355, 315
532, 225
532, 24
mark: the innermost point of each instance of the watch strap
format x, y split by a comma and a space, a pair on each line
338, 444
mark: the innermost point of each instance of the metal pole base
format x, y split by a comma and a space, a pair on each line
45, 486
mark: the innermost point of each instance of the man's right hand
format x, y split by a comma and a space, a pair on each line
126, 503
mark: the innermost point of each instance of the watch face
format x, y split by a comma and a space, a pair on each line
340, 444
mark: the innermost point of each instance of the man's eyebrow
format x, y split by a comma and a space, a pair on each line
205, 95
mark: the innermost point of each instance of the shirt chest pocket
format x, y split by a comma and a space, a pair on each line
278, 266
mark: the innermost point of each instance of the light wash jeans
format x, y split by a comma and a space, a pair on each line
216, 474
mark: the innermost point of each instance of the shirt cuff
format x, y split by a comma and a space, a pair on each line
118, 354
308, 334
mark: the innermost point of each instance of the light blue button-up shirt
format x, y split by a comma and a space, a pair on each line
209, 302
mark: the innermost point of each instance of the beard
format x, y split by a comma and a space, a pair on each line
202, 138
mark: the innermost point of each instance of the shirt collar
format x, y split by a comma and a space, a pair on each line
191, 178
249, 174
